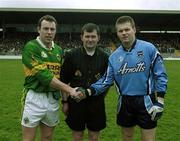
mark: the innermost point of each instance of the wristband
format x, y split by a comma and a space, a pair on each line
161, 94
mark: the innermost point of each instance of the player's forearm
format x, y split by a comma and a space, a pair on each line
56, 84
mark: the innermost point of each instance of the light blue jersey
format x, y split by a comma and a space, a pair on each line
139, 71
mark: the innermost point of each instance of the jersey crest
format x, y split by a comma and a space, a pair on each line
43, 54
140, 53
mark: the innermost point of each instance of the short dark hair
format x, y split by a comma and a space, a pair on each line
124, 19
47, 18
89, 27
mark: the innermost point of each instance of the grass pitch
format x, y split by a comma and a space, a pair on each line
11, 84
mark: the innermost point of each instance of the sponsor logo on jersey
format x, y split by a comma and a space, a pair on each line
54, 68
140, 67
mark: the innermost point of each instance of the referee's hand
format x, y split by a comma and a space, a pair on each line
84, 93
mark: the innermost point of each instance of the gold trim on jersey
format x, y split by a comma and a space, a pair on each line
33, 71
53, 67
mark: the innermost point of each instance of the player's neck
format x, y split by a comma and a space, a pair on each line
49, 45
128, 45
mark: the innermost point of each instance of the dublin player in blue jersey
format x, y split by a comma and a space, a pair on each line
140, 76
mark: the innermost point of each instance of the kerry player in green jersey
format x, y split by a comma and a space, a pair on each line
42, 60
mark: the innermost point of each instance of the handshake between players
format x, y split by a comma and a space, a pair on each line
82, 94
156, 110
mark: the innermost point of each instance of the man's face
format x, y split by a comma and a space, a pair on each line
126, 33
47, 31
90, 39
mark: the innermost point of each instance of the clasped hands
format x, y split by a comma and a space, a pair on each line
81, 94
156, 110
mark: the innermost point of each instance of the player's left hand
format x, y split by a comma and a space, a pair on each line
157, 111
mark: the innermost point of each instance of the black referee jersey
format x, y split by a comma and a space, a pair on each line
80, 69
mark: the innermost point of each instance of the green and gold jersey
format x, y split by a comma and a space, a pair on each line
41, 65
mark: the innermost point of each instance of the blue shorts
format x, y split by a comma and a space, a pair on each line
133, 112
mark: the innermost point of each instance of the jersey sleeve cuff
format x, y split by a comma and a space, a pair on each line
93, 91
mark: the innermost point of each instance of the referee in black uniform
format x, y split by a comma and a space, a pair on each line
82, 67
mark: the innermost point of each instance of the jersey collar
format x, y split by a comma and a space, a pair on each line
133, 45
43, 45
85, 53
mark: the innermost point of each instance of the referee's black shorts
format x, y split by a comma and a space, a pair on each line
88, 113
133, 112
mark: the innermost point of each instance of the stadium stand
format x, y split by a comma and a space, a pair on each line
19, 27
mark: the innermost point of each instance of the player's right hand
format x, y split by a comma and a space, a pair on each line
82, 95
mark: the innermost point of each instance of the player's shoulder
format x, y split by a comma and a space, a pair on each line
117, 52
57, 46
31, 42
145, 43
58, 50
146, 46
31, 45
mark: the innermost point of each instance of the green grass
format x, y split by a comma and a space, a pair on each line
11, 84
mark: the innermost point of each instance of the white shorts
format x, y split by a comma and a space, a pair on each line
40, 107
